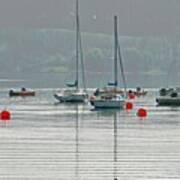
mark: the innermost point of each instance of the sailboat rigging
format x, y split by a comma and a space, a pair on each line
77, 94
111, 99
113, 86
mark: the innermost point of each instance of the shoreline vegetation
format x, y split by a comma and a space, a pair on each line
51, 51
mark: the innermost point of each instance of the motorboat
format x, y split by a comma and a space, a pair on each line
168, 97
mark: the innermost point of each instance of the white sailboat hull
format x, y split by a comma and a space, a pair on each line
108, 104
71, 97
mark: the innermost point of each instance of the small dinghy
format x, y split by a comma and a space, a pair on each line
138, 92
23, 93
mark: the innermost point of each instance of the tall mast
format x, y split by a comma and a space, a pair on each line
122, 70
115, 51
77, 45
117, 54
81, 58
118, 51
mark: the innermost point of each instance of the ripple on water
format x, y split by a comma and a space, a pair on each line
49, 141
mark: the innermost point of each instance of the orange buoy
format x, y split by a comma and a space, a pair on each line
142, 113
129, 105
5, 115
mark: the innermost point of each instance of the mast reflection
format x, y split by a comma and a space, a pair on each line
115, 146
77, 141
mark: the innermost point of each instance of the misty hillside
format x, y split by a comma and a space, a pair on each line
29, 51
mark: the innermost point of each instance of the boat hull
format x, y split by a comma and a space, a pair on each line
104, 104
22, 94
71, 98
119, 92
168, 101
143, 93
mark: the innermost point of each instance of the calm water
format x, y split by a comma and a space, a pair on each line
51, 141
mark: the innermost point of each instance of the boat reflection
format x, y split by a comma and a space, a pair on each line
113, 116
113, 119
115, 146
77, 141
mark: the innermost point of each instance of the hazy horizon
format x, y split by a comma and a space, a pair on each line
37, 40
136, 17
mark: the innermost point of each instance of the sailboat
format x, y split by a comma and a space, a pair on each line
74, 93
111, 99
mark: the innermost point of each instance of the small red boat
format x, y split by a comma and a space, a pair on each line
142, 93
22, 93
138, 92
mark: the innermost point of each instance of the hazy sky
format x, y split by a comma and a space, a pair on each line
136, 17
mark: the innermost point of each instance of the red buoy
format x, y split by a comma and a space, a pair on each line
142, 113
5, 115
129, 105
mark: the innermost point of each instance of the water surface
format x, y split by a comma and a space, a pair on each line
45, 140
